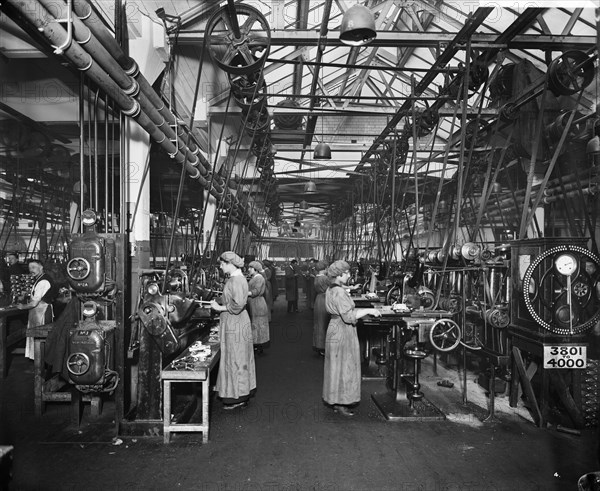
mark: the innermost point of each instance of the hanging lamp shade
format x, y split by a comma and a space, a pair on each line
303, 204
297, 223
310, 187
358, 26
322, 152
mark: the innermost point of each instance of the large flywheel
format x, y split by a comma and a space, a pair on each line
239, 38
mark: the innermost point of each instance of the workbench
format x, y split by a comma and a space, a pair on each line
198, 372
7, 340
398, 404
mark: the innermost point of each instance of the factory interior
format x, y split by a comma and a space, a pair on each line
299, 245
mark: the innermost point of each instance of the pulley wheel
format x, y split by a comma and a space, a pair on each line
257, 122
570, 73
498, 317
444, 335
480, 131
501, 87
239, 41
426, 122
393, 295
254, 100
509, 112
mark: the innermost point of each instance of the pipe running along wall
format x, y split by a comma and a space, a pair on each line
100, 66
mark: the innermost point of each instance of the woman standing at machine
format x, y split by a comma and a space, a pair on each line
266, 274
259, 312
341, 382
320, 314
236, 381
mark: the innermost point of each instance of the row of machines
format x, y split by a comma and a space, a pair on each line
118, 344
527, 306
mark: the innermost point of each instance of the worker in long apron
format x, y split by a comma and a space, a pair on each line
236, 381
43, 293
341, 380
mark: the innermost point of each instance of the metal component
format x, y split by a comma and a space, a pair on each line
322, 151
242, 50
358, 26
498, 317
444, 335
288, 121
546, 293
78, 364
570, 73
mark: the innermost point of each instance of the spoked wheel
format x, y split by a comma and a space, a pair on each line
78, 268
239, 38
444, 335
78, 363
570, 73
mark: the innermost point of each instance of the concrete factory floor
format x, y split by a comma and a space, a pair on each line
286, 439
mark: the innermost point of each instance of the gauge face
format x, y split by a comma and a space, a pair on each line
566, 264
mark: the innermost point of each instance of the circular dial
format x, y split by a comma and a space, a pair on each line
565, 264
560, 293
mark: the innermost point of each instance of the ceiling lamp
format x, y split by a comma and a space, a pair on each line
322, 152
303, 204
297, 223
358, 26
310, 187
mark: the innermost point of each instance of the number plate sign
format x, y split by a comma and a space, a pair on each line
565, 356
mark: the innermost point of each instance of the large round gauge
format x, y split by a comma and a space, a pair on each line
560, 293
566, 264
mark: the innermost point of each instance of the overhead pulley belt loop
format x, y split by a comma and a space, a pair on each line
550, 168
446, 244
588, 219
414, 158
488, 191
209, 186
472, 149
206, 200
531, 169
434, 212
463, 131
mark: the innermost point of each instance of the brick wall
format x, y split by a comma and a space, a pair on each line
359, 128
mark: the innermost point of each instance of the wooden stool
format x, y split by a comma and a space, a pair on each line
414, 393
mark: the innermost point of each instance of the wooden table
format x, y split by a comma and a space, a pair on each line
200, 373
7, 340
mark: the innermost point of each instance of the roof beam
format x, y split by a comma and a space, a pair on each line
397, 39
471, 25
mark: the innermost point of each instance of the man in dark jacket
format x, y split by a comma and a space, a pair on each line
4, 280
291, 285
14, 266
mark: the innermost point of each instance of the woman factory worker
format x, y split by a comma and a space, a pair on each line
341, 382
259, 311
236, 380
320, 315
266, 274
